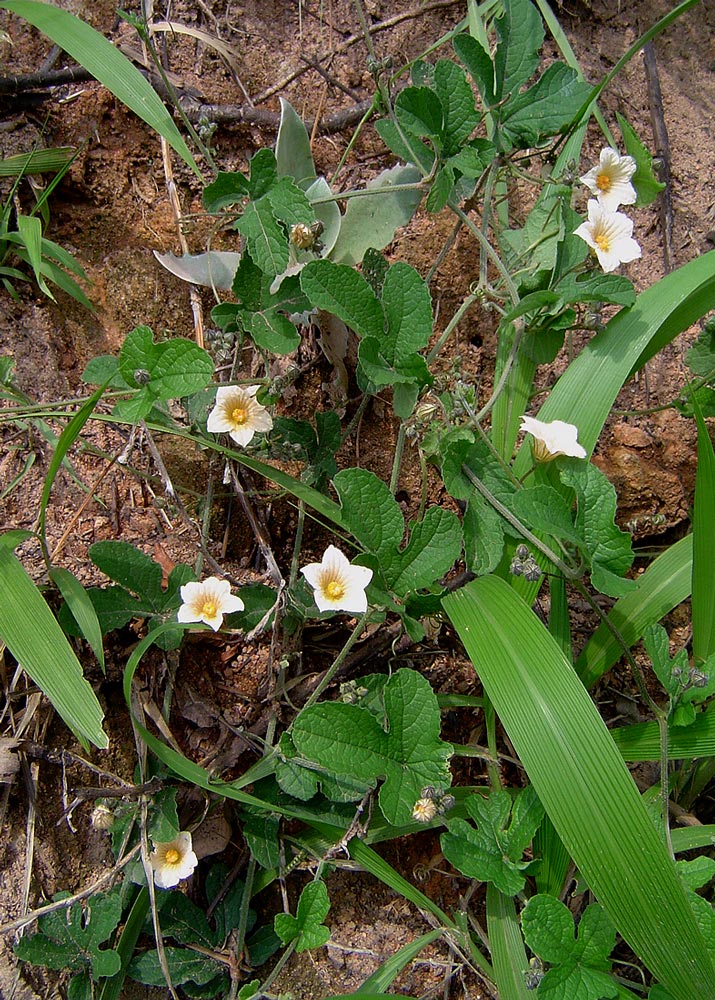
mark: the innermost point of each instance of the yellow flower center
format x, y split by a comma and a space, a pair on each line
335, 590
603, 182
239, 415
172, 856
208, 609
603, 242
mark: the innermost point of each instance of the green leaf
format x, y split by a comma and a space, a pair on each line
470, 51
413, 151
70, 938
131, 568
408, 310
369, 509
435, 545
184, 921
261, 832
82, 609
492, 850
607, 545
520, 35
31, 633
544, 109
596, 287
372, 219
647, 185
293, 155
545, 509
483, 536
266, 242
229, 188
457, 100
263, 173
306, 927
348, 740
419, 112
290, 205
582, 782
106, 64
176, 367
185, 966
340, 290
578, 964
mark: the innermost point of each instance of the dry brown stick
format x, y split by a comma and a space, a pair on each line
63, 904
662, 151
231, 114
389, 22
260, 531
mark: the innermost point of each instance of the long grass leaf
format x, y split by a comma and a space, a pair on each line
664, 585
38, 161
583, 783
588, 388
641, 741
106, 64
507, 945
80, 605
703, 603
66, 439
383, 977
31, 633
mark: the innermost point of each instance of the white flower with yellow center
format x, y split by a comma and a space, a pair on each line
238, 413
208, 602
609, 236
173, 861
552, 439
337, 584
610, 180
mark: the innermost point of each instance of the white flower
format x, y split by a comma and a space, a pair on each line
337, 585
609, 236
610, 181
238, 413
173, 861
208, 602
552, 439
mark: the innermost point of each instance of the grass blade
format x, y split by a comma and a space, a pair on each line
31, 633
384, 977
36, 162
664, 585
507, 944
82, 609
588, 388
583, 783
106, 64
641, 741
703, 603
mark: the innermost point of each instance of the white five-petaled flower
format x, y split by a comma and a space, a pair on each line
337, 584
552, 439
208, 602
609, 236
610, 180
238, 413
173, 860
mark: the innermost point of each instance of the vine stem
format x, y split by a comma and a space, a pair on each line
339, 659
446, 333
397, 463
